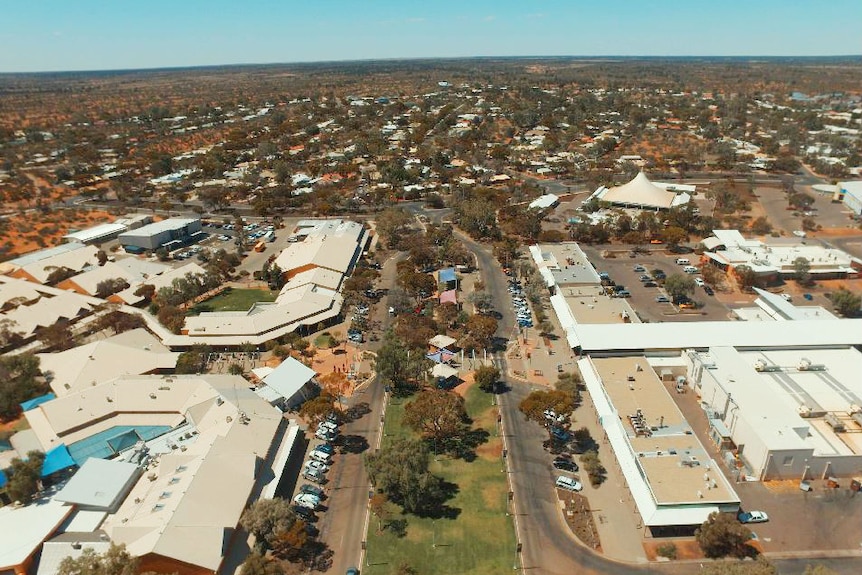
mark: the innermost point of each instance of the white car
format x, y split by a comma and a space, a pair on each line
753, 517
317, 466
699, 282
320, 456
326, 434
306, 500
568, 483
327, 426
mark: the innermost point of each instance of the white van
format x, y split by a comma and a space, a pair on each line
690, 270
682, 261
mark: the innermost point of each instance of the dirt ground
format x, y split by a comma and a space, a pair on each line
29, 231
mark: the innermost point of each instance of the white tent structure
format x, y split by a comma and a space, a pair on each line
642, 193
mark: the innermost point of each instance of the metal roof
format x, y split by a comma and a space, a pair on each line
99, 483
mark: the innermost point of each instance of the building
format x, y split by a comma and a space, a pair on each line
289, 385
672, 478
851, 194
643, 194
28, 307
96, 234
545, 202
38, 266
135, 352
99, 485
24, 528
200, 439
334, 245
171, 234
776, 260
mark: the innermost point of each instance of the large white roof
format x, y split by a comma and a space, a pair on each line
330, 244
134, 352
45, 306
76, 260
703, 335
640, 192
98, 483
289, 377
95, 233
25, 528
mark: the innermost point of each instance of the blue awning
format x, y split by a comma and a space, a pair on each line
3, 480
37, 401
56, 460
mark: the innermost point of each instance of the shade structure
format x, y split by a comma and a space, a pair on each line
56, 460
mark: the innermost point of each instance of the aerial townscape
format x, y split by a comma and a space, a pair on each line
444, 312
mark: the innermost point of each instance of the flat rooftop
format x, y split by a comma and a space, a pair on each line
598, 308
567, 263
829, 384
676, 466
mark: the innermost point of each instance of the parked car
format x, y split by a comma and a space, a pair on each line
313, 475
699, 282
311, 489
753, 517
320, 456
662, 299
565, 465
568, 483
316, 466
708, 290
645, 278
560, 434
304, 512
639, 268
327, 425
326, 435
325, 448
306, 500
650, 284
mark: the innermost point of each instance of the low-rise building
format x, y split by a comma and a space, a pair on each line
170, 234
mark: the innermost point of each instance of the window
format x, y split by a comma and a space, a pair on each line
788, 460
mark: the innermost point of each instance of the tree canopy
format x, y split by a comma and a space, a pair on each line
18, 383
679, 285
846, 302
115, 561
437, 414
400, 470
24, 476
534, 405
486, 377
721, 535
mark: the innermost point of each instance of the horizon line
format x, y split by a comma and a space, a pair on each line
437, 58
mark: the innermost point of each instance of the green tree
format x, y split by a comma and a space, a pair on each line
193, 360
258, 564
24, 476
481, 328
397, 367
534, 405
316, 409
482, 300
722, 535
18, 383
57, 336
679, 285
267, 518
761, 226
802, 270
115, 561
400, 470
110, 286
437, 414
594, 468
846, 302
486, 377
745, 276
673, 236
119, 321
570, 383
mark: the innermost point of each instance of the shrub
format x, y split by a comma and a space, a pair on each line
667, 550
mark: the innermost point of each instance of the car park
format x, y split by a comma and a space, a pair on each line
753, 517
565, 465
568, 483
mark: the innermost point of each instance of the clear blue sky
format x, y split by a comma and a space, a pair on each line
44, 35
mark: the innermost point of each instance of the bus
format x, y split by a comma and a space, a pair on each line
260, 246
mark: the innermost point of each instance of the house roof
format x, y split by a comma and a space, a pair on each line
134, 352
289, 377
76, 260
441, 341
98, 483
544, 202
329, 244
447, 275
95, 233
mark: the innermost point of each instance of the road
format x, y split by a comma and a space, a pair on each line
342, 526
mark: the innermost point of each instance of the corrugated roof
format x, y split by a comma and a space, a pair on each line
25, 528
289, 377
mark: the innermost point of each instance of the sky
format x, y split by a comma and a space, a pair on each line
61, 35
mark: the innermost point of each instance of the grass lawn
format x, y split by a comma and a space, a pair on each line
234, 300
481, 540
